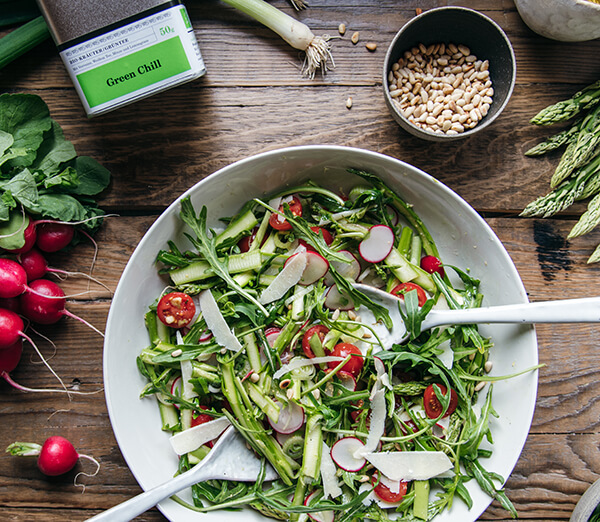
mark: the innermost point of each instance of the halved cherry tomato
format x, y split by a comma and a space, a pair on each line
176, 309
279, 222
403, 288
323, 232
354, 365
246, 241
318, 329
200, 418
385, 493
432, 264
433, 406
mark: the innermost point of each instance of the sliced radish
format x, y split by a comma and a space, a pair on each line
349, 270
345, 454
272, 334
291, 418
177, 388
205, 336
316, 268
335, 300
318, 516
286, 279
377, 245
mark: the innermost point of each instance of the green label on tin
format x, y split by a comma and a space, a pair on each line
133, 72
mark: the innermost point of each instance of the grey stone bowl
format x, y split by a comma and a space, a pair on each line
458, 25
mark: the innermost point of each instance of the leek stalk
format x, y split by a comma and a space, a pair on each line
294, 32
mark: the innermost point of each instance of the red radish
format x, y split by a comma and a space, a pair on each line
11, 328
55, 457
318, 516
10, 357
44, 303
344, 454
350, 270
13, 278
53, 236
432, 264
36, 267
377, 244
335, 300
316, 267
11, 345
291, 418
11, 303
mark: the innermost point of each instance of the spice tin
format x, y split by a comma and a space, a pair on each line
120, 51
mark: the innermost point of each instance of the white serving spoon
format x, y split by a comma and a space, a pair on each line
584, 310
229, 459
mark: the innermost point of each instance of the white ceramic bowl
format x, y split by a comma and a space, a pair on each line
564, 20
463, 238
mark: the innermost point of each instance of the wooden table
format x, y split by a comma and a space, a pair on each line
253, 99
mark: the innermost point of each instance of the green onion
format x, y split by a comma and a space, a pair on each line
294, 32
22, 39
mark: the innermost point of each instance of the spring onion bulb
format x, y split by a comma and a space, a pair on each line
294, 32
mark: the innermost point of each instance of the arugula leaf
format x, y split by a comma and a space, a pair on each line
207, 248
414, 316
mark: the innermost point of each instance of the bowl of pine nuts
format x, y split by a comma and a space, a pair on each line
448, 73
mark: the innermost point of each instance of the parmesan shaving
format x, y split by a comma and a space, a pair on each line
216, 322
299, 362
286, 279
331, 487
192, 438
410, 465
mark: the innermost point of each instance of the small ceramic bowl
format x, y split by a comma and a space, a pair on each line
483, 40
563, 20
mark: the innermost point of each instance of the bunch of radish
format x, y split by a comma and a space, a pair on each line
26, 296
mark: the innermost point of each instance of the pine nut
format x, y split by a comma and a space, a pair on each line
442, 88
342, 29
355, 37
480, 386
